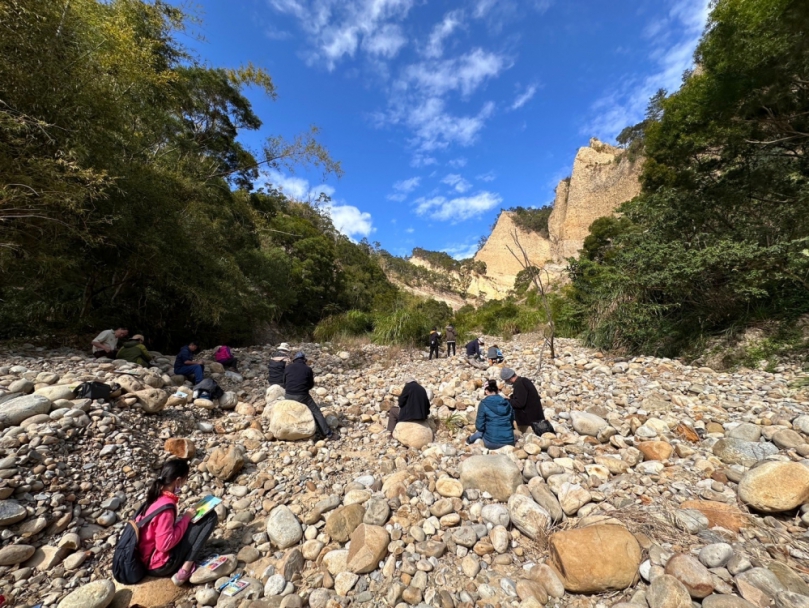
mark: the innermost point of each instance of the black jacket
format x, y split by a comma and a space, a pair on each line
413, 403
276, 372
451, 333
435, 338
298, 378
473, 348
526, 402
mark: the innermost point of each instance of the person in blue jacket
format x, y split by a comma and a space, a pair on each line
186, 365
495, 420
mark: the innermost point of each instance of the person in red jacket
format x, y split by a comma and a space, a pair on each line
171, 546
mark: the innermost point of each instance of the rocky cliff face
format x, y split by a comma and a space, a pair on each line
601, 181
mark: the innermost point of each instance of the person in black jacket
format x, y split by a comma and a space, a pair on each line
298, 381
414, 405
473, 349
277, 365
435, 342
524, 399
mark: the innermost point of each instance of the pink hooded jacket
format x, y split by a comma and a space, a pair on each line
161, 534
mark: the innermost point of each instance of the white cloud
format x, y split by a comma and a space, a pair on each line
524, 97
422, 160
457, 182
337, 28
435, 45
457, 162
403, 188
296, 187
675, 38
410, 230
462, 251
487, 177
350, 221
457, 209
465, 73
434, 128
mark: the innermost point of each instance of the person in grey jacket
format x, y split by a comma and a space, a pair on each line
452, 336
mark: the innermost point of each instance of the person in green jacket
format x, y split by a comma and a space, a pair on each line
134, 351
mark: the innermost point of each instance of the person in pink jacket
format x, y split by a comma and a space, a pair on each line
171, 546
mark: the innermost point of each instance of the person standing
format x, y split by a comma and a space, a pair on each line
186, 365
299, 379
524, 399
105, 344
452, 336
495, 420
435, 342
414, 405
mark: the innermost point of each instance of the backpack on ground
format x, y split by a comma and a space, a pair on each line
542, 426
94, 390
127, 567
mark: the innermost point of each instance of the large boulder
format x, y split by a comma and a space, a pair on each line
595, 559
149, 593
369, 546
273, 393
343, 521
283, 527
224, 464
17, 410
54, 393
128, 383
290, 421
413, 434
492, 473
152, 400
529, 518
586, 423
773, 487
97, 594
181, 448
739, 451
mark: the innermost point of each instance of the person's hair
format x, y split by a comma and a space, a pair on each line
122, 328
434, 328
194, 342
172, 470
491, 386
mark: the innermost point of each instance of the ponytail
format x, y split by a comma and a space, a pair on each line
172, 470
491, 387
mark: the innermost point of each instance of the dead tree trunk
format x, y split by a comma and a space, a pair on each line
542, 287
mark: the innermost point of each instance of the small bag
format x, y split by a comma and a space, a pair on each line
93, 390
541, 427
127, 567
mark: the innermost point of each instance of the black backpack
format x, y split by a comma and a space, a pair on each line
93, 390
127, 567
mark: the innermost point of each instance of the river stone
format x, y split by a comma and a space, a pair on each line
787, 439
716, 555
718, 514
655, 450
343, 521
801, 423
205, 574
739, 451
587, 424
545, 498
690, 572
16, 410
369, 546
54, 393
149, 593
283, 527
97, 594
291, 421
760, 579
774, 487
413, 434
22, 386
529, 518
377, 512
225, 464
181, 448
11, 512
667, 592
579, 557
492, 473
449, 487
789, 578
746, 431
726, 601
495, 514
15, 554
152, 400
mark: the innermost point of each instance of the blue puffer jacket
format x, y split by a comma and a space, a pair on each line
496, 420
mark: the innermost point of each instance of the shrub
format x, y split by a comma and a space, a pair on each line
351, 323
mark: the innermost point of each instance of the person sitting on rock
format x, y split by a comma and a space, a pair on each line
186, 365
134, 351
495, 420
452, 336
414, 405
169, 546
277, 365
494, 355
105, 344
524, 400
225, 357
473, 349
435, 342
298, 381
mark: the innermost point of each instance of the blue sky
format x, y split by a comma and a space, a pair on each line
442, 113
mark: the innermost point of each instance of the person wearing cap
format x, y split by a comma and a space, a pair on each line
277, 365
435, 342
495, 419
134, 351
299, 379
473, 349
414, 405
452, 336
524, 399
